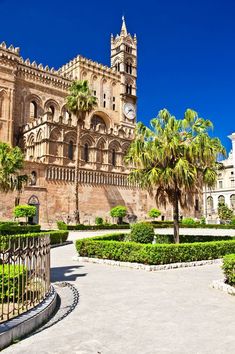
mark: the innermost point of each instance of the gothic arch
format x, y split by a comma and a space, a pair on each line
3, 98
87, 139
52, 107
39, 136
114, 144
55, 134
103, 116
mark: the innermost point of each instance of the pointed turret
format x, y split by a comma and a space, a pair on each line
123, 29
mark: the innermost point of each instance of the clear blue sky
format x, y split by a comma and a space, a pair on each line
186, 49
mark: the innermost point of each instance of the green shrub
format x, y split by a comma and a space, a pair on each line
189, 221
61, 225
142, 233
118, 212
224, 212
154, 213
203, 220
232, 222
11, 282
229, 268
99, 220
27, 211
58, 236
152, 254
14, 228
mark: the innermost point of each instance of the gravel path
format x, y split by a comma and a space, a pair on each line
126, 311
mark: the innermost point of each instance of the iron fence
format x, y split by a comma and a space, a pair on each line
24, 273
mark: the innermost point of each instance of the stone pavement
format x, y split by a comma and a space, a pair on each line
126, 311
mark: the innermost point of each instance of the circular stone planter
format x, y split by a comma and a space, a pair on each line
221, 285
27, 322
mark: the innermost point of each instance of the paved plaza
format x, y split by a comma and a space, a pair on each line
126, 311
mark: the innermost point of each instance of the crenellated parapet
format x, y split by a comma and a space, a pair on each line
90, 65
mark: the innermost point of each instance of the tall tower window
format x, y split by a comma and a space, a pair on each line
70, 150
113, 157
33, 109
114, 107
86, 152
129, 89
104, 104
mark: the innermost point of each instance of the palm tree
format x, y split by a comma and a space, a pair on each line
174, 159
80, 101
11, 162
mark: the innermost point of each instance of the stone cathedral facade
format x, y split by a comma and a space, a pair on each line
33, 115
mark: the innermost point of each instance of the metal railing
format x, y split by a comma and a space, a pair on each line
24, 273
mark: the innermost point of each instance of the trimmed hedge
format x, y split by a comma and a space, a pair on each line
191, 238
62, 226
198, 225
16, 278
152, 254
56, 237
11, 228
229, 268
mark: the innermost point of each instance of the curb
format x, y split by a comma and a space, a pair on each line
149, 268
221, 285
27, 322
61, 244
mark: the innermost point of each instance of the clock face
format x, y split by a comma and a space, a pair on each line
129, 111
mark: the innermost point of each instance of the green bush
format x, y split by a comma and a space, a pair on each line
229, 268
27, 211
154, 213
99, 220
61, 225
118, 212
142, 233
15, 228
11, 282
189, 221
112, 248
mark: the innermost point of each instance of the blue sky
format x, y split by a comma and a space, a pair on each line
186, 51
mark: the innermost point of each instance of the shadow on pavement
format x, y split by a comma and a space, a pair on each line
70, 273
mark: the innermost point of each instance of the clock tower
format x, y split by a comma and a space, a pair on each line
124, 60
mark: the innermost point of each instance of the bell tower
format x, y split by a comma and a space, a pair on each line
124, 60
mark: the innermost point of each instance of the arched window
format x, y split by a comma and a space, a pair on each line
52, 110
221, 199
33, 109
95, 120
86, 152
210, 203
232, 201
33, 178
70, 150
1, 106
113, 157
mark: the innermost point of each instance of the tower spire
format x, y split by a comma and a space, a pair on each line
123, 29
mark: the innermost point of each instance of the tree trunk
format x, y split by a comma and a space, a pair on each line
176, 218
77, 165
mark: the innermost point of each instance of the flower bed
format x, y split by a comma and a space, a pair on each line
114, 247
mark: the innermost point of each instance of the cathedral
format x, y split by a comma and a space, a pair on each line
33, 115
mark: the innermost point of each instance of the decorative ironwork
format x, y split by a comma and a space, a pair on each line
24, 273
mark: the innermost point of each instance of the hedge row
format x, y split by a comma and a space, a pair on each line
62, 226
169, 224
11, 282
56, 237
152, 254
11, 228
191, 238
229, 268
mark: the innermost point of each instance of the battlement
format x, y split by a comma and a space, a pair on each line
90, 63
11, 49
